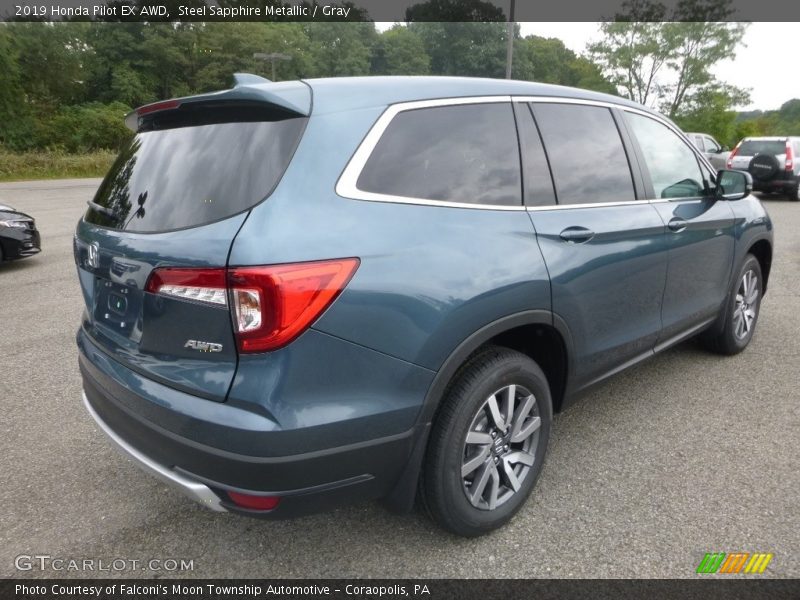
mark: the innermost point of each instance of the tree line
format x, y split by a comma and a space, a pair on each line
67, 85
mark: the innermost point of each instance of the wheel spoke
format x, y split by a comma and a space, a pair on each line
494, 491
522, 413
479, 437
510, 476
528, 430
494, 413
480, 481
473, 463
511, 394
738, 323
524, 458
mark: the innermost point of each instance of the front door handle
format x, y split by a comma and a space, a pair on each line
577, 235
676, 224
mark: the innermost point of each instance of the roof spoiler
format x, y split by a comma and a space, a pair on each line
291, 96
240, 79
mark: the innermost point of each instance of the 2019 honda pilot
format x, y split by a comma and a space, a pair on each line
312, 292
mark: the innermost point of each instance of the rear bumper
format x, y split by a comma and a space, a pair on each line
782, 183
195, 490
306, 483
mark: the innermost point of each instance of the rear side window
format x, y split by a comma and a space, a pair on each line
586, 154
186, 176
673, 167
464, 153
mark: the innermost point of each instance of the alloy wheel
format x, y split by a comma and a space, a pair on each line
746, 305
500, 445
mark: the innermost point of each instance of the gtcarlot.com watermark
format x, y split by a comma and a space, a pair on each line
45, 562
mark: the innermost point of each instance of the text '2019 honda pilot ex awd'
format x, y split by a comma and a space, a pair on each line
305, 293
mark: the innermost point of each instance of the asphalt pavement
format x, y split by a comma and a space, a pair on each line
685, 454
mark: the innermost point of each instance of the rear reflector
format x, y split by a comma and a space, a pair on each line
270, 306
254, 502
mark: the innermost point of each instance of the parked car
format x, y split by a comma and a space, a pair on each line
774, 163
305, 293
716, 153
19, 237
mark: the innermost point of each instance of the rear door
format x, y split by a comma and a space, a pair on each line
176, 197
604, 248
699, 233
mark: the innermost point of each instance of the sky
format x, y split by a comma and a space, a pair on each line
762, 62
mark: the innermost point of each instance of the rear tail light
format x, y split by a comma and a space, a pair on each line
273, 305
270, 306
789, 156
254, 502
731, 155
201, 285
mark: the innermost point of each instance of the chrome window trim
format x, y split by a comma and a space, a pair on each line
347, 186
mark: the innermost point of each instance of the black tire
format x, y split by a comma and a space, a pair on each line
443, 488
730, 341
794, 192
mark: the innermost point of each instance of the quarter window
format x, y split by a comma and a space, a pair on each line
586, 154
460, 153
674, 170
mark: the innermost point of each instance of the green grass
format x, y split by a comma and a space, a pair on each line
53, 165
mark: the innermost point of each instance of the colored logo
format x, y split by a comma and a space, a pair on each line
734, 562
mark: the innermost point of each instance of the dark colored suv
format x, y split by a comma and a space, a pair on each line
311, 292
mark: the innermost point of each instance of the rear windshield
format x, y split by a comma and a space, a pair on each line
169, 179
753, 147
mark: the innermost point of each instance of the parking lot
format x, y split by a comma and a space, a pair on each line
685, 454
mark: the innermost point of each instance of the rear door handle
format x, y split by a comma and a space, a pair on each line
576, 235
675, 224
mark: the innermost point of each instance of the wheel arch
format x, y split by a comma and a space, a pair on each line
762, 250
519, 332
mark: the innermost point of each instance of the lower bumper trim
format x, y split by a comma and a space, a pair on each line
197, 491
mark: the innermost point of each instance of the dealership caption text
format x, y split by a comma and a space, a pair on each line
176, 589
56, 11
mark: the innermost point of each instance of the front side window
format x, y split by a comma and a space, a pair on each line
586, 154
711, 145
464, 153
674, 170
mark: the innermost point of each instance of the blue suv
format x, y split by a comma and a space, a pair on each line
306, 293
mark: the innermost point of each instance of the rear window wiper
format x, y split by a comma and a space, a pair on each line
102, 209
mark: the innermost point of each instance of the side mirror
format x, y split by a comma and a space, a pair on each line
724, 149
733, 185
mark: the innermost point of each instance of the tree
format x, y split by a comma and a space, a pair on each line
400, 51
639, 53
454, 11
697, 47
468, 49
341, 49
709, 110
